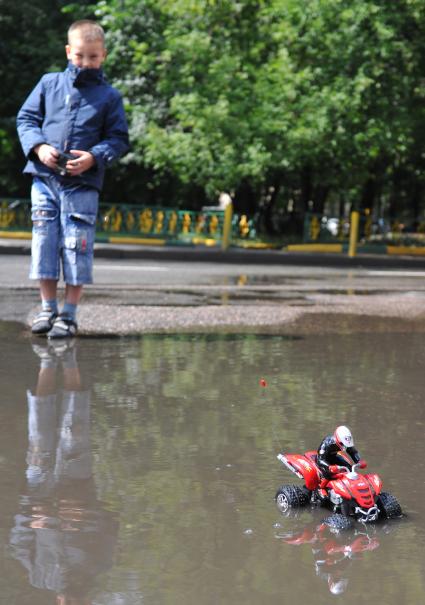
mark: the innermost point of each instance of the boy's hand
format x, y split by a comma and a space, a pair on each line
47, 154
83, 161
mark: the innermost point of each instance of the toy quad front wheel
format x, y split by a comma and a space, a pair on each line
388, 506
291, 496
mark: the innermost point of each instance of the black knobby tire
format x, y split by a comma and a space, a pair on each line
388, 506
291, 496
338, 521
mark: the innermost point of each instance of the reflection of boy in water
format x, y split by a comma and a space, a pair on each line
62, 535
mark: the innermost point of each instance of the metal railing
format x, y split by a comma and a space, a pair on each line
146, 224
211, 226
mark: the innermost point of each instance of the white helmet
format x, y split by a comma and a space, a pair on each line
343, 437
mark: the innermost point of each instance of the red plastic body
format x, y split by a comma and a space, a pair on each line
305, 467
362, 488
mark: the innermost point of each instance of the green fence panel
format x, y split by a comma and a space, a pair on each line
172, 225
15, 214
126, 221
321, 229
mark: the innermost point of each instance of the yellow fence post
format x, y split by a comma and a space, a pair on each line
227, 226
354, 233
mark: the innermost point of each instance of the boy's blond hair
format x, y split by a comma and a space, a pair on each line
88, 30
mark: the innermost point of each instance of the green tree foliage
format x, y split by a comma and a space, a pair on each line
289, 104
277, 100
32, 42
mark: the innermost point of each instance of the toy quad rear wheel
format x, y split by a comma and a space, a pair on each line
388, 506
291, 496
338, 521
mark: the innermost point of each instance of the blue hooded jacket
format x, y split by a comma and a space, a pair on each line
74, 109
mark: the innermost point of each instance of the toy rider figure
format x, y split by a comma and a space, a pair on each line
329, 459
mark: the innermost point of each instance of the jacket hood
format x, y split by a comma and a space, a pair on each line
84, 76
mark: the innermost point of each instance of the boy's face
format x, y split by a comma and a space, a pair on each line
86, 54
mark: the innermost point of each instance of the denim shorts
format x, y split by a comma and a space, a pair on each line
64, 222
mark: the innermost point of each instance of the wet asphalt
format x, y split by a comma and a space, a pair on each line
145, 289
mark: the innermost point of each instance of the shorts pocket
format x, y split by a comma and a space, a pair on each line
90, 219
43, 217
79, 235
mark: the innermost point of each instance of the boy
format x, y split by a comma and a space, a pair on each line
76, 113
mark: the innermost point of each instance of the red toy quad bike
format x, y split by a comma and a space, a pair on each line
348, 494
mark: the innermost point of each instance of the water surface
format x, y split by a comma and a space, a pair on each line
144, 470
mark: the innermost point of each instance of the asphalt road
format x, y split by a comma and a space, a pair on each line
255, 292
140, 273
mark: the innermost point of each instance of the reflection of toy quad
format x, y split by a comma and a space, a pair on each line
348, 494
333, 552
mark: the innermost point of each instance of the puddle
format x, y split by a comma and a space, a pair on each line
110, 450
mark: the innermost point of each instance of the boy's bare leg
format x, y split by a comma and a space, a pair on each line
48, 289
73, 294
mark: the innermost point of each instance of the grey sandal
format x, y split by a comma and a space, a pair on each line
43, 322
63, 327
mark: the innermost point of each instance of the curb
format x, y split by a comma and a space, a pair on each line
236, 255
